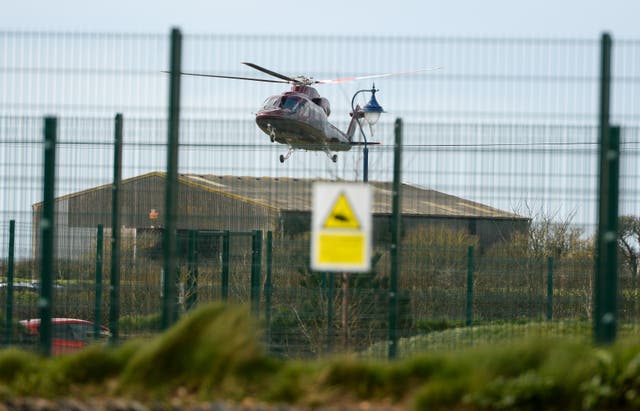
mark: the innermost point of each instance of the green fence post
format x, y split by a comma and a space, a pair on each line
169, 246
469, 286
226, 255
267, 285
549, 288
256, 260
97, 311
114, 280
395, 240
192, 280
606, 278
47, 233
9, 312
605, 283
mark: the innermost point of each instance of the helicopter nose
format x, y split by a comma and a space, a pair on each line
276, 121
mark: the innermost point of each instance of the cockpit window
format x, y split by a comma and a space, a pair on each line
286, 102
289, 102
271, 102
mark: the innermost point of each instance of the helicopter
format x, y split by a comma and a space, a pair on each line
298, 118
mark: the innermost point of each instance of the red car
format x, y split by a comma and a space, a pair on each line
67, 334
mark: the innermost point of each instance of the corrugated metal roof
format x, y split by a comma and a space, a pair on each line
294, 194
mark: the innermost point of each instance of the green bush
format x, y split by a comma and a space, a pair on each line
214, 353
215, 347
15, 363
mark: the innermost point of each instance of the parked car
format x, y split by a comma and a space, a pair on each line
27, 286
67, 334
22, 286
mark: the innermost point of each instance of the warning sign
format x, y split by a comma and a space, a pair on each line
342, 215
341, 227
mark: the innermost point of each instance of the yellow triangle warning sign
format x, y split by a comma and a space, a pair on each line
341, 215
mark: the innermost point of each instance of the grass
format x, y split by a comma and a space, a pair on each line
462, 337
215, 353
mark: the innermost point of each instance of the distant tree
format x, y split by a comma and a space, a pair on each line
308, 313
547, 236
629, 245
520, 265
432, 255
434, 261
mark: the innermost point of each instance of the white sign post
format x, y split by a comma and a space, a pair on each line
341, 227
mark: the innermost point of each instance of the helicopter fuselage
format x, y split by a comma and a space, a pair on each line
299, 118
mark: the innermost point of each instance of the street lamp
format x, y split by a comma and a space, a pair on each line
371, 113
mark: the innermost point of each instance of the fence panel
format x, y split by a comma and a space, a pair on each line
500, 153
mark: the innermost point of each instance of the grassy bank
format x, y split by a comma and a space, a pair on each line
214, 353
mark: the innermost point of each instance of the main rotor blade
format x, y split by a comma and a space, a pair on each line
231, 77
271, 72
344, 79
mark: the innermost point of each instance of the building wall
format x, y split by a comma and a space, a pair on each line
488, 230
77, 216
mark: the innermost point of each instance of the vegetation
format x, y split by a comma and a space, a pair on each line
214, 353
316, 313
629, 246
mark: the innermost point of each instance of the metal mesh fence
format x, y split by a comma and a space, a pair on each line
500, 173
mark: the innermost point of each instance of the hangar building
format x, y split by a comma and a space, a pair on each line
281, 205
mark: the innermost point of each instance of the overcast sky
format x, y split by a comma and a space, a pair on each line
502, 18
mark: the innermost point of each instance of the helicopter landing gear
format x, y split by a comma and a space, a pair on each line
286, 156
272, 133
332, 157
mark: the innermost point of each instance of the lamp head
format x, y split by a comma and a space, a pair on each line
372, 109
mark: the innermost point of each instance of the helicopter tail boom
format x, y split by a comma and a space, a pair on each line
351, 130
353, 126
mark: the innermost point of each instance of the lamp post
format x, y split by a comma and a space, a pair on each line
371, 113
